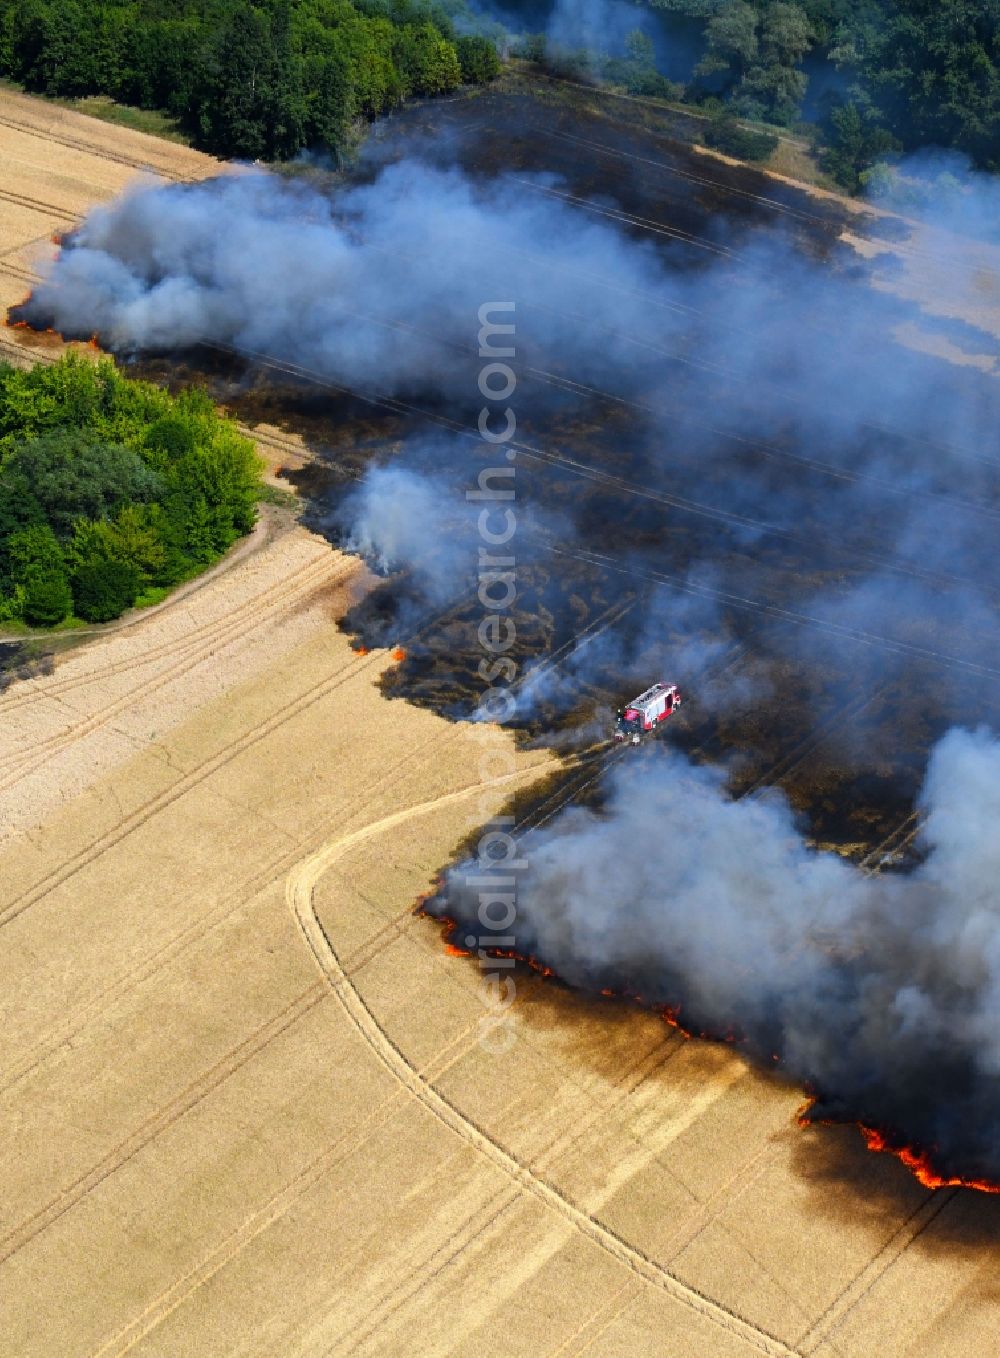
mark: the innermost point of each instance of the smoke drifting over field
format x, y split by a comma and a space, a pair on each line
732, 371
410, 516
724, 416
379, 289
881, 994
578, 26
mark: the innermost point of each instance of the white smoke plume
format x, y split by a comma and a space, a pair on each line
762, 394
881, 994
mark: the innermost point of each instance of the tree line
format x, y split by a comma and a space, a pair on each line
111, 489
253, 81
910, 73
878, 76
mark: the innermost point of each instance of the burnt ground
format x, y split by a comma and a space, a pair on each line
721, 522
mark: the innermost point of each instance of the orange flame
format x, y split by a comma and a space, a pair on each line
671, 1015
432, 891
398, 654
919, 1163
361, 650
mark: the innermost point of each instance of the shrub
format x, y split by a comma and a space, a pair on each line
724, 133
47, 600
478, 59
104, 587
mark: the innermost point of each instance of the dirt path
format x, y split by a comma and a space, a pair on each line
301, 888
246, 547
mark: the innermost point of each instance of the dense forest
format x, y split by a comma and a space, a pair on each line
877, 76
264, 80
111, 490
257, 81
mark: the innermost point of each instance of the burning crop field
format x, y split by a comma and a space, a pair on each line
642, 415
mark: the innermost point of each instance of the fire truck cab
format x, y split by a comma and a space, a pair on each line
647, 712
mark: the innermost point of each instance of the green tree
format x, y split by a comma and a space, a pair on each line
7, 29
104, 587
249, 98
478, 59
786, 35
74, 474
107, 483
34, 550
772, 92
730, 40
37, 565
169, 440
856, 142
427, 62
200, 533
46, 600
329, 99
18, 510
137, 540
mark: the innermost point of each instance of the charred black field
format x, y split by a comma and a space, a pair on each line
734, 514
603, 411
749, 521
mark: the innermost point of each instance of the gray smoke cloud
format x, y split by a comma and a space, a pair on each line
761, 399
411, 516
572, 26
713, 351
375, 289
881, 994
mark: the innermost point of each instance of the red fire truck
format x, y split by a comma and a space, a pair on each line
645, 713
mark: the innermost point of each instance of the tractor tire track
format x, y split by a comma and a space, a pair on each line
839, 1309
646, 224
24, 354
624, 486
274, 1210
188, 652
38, 205
28, 276
154, 805
560, 1142
238, 897
177, 946
90, 148
161, 1121
99, 1005
300, 894
188, 655
899, 838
